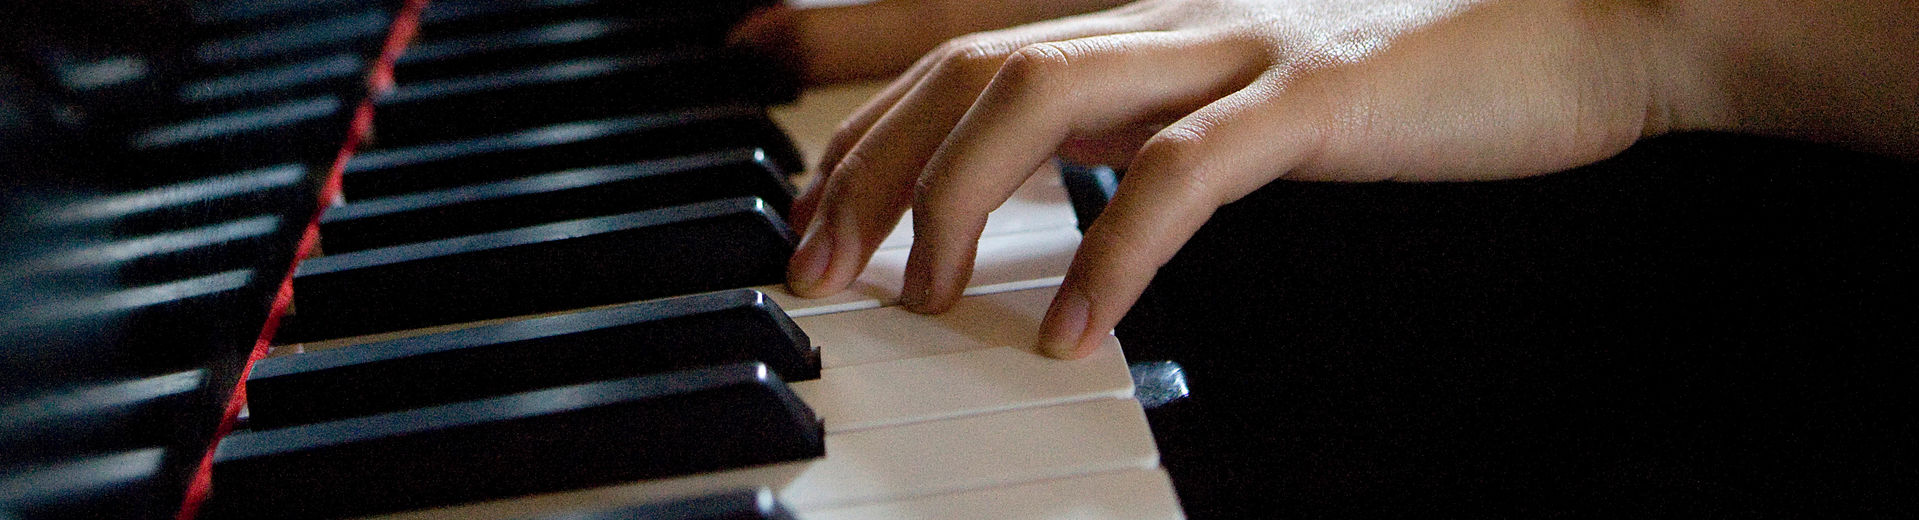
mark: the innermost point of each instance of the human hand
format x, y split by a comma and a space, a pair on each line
1207, 100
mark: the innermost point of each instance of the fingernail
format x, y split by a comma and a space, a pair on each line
1064, 324
808, 266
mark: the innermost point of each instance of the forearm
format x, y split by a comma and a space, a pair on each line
1835, 72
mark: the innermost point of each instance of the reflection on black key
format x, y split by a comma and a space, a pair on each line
83, 418
166, 208
577, 89
555, 439
440, 58
625, 341
259, 12
157, 258
738, 505
703, 21
360, 30
127, 484
306, 131
174, 321
464, 162
686, 249
582, 193
336, 73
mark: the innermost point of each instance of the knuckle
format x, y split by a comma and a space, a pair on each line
1177, 148
852, 162
971, 55
929, 198
937, 201
1042, 68
1178, 156
1038, 61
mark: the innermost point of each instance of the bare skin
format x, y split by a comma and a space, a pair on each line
1207, 100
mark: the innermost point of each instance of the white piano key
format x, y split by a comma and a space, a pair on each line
921, 389
892, 333
1134, 494
976, 452
1040, 203
1005, 262
890, 464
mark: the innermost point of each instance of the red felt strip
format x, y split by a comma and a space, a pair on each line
405, 24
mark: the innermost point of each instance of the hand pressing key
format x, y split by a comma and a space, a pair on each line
1207, 100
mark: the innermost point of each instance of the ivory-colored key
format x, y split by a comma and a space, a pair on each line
973, 382
1133, 494
890, 464
890, 333
1038, 204
1006, 262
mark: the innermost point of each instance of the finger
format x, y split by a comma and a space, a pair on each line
862, 120
1209, 158
848, 133
867, 191
1004, 40
1042, 95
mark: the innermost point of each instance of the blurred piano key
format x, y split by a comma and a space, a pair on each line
732, 243
551, 197
113, 485
1130, 494
559, 438
571, 348
700, 21
881, 465
590, 87
738, 505
446, 164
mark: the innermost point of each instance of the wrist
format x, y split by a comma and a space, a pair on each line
1681, 83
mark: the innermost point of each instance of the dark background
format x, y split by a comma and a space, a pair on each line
1706, 325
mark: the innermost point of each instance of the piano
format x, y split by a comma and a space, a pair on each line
1705, 324
475, 259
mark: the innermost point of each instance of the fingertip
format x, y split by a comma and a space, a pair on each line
806, 271
1063, 331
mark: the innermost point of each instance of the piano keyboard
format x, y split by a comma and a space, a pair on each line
474, 217
946, 416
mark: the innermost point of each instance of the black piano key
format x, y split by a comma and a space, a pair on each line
578, 89
1089, 188
746, 504
573, 194
686, 249
361, 31
130, 484
440, 58
161, 257
448, 164
112, 332
700, 21
577, 347
306, 131
262, 13
214, 198
339, 73
85, 418
548, 440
